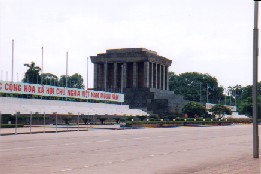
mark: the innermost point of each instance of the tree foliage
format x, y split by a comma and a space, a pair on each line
102, 119
244, 100
49, 79
74, 81
32, 73
32, 76
192, 85
194, 109
220, 110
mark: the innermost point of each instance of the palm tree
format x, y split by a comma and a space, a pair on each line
32, 74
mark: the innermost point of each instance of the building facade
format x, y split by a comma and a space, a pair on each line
130, 68
141, 74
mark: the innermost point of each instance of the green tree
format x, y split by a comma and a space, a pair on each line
67, 119
192, 85
220, 110
49, 79
194, 109
85, 119
245, 106
32, 74
117, 119
142, 118
244, 99
102, 119
74, 81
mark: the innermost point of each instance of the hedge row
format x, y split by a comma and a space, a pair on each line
177, 123
11, 125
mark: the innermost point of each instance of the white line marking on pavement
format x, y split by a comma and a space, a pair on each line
140, 138
152, 155
86, 166
67, 144
64, 170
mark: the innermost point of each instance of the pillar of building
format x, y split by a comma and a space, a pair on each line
146, 75
152, 64
95, 76
159, 77
99, 76
163, 77
167, 78
115, 75
156, 75
134, 78
105, 78
124, 75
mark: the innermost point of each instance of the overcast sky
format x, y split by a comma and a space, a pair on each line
203, 36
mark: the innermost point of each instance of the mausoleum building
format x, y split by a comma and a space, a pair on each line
141, 74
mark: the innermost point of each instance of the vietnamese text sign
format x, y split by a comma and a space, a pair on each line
54, 91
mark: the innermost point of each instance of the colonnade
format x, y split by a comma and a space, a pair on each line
130, 75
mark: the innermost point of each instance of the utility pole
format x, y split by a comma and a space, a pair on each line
255, 79
12, 60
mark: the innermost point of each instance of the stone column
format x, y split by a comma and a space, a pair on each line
163, 77
105, 78
146, 74
134, 78
167, 78
99, 76
159, 77
124, 75
152, 64
115, 75
95, 76
156, 75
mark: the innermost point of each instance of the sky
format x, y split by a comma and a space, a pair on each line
214, 37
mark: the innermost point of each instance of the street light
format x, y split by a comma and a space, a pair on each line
255, 79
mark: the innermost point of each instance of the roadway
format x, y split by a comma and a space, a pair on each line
204, 150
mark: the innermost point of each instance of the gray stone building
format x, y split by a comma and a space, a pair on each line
141, 74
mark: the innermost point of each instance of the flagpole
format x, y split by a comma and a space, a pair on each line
12, 60
66, 69
42, 59
87, 74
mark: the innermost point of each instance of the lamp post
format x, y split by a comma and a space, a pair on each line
255, 79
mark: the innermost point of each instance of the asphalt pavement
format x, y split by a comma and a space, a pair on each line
183, 150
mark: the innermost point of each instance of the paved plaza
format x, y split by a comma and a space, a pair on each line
197, 150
